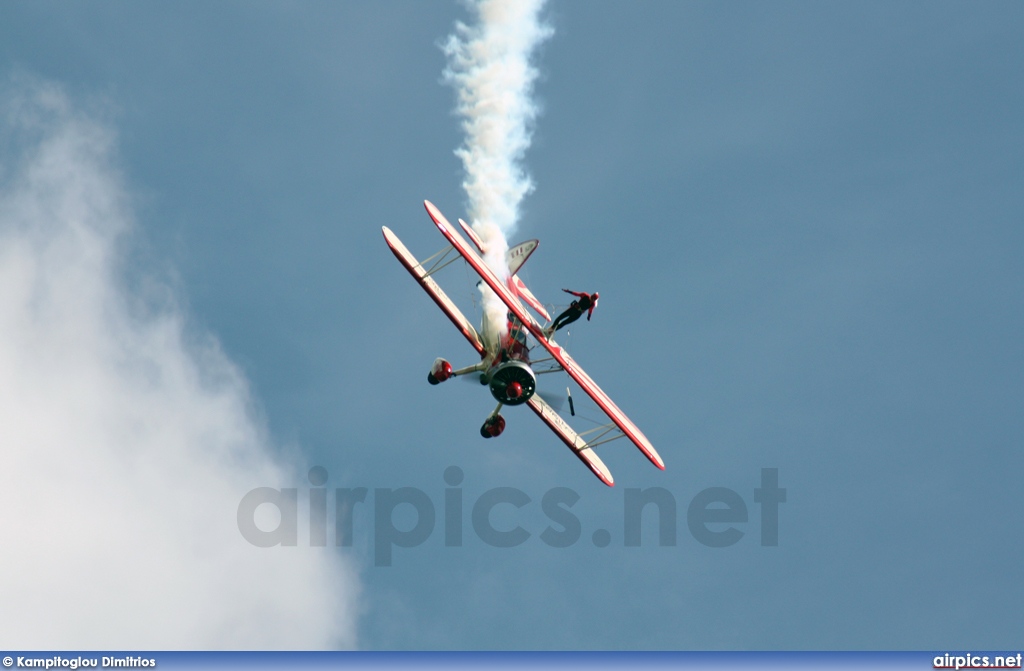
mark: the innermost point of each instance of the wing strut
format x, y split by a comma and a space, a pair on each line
432, 288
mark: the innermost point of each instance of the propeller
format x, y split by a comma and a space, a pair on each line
556, 401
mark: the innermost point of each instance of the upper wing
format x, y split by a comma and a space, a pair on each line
606, 404
628, 428
422, 276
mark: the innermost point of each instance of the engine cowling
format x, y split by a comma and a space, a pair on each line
493, 427
512, 383
439, 372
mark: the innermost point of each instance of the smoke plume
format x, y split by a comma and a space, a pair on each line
489, 67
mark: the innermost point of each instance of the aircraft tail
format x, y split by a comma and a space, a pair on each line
515, 258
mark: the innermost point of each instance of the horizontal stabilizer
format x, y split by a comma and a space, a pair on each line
516, 257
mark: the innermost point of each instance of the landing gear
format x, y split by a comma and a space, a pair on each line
494, 424
493, 427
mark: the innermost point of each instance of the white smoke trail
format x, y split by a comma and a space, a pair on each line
489, 66
125, 446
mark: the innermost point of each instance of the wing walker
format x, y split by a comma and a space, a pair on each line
505, 366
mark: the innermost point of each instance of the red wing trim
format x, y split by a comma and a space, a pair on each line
571, 367
435, 292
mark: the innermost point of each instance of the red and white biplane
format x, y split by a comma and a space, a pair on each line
506, 366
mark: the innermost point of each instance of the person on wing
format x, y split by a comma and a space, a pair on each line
584, 301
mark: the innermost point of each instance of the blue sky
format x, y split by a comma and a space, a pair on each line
804, 220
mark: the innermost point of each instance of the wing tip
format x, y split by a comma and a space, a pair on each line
390, 238
432, 210
604, 476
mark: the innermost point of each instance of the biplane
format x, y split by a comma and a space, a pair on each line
505, 365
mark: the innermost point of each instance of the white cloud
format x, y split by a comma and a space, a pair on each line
125, 445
